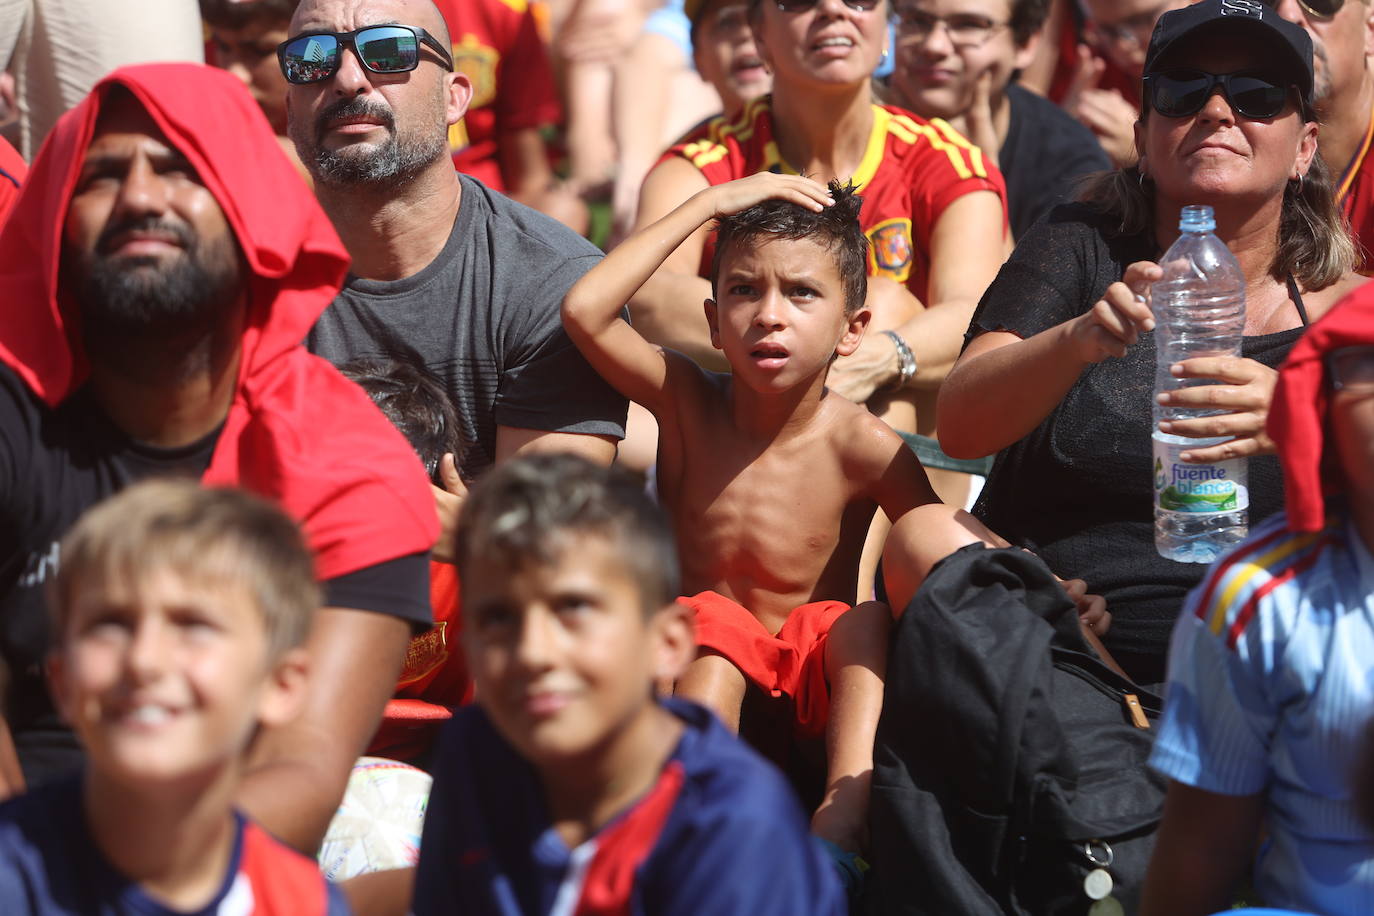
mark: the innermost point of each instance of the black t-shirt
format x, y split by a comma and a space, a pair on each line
1046, 151
54, 464
1077, 489
484, 317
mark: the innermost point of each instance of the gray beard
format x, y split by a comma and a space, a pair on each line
390, 165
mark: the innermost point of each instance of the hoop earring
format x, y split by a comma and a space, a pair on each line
1140, 177
1298, 189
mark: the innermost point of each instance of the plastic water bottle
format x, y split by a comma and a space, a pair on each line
1201, 510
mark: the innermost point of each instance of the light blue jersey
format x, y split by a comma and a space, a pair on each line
1271, 690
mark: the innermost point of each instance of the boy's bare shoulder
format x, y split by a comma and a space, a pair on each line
862, 439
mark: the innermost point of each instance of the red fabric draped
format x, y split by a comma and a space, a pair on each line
297, 431
1297, 418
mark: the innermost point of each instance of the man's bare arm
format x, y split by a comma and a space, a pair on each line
297, 773
512, 441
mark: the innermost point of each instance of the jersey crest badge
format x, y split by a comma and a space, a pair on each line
425, 653
478, 63
889, 249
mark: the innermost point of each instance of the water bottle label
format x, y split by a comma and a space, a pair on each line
1199, 488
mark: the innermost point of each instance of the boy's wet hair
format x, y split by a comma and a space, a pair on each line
530, 509
208, 538
835, 228
235, 14
416, 403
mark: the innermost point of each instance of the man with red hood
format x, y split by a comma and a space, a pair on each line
1269, 691
158, 272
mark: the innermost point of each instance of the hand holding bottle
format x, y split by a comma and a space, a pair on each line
1244, 394
1117, 319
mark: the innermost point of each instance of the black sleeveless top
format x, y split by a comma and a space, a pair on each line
1077, 489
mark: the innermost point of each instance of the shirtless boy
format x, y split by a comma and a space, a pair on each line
771, 482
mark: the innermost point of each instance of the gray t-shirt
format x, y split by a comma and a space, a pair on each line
483, 317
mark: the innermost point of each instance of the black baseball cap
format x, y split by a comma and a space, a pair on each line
1291, 45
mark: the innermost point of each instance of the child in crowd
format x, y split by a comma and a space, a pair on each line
434, 678
1269, 694
771, 481
242, 37
179, 617
569, 787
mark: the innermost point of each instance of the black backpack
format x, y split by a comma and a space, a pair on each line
1008, 763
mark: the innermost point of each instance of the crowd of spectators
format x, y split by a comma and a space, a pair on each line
469, 455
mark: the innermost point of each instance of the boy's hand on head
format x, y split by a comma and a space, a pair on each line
448, 503
1117, 319
1243, 397
733, 196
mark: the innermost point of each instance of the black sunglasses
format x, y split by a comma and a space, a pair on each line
314, 56
801, 6
1180, 93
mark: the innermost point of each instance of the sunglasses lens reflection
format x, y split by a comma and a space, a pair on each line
310, 58
388, 49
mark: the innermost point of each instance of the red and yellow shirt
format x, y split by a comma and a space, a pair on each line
497, 45
1355, 193
911, 171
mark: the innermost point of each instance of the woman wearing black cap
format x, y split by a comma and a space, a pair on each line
1058, 371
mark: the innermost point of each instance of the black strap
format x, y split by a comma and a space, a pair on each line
1297, 299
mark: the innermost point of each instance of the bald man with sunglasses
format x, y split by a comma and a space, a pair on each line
446, 272
1342, 34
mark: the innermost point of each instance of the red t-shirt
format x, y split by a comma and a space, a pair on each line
1355, 192
12, 172
434, 678
496, 43
911, 170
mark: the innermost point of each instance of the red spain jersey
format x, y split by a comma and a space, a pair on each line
1356, 195
434, 679
497, 44
911, 171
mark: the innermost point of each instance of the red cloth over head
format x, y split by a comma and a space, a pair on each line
297, 430
1297, 417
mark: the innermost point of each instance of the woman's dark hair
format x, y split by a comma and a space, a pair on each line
531, 508
835, 228
1314, 245
416, 403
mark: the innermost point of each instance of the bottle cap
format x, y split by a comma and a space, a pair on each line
1196, 219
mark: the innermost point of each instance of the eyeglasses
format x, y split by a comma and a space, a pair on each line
315, 56
801, 6
1180, 93
1132, 32
965, 31
1352, 368
1316, 9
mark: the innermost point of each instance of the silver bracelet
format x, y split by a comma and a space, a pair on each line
906, 360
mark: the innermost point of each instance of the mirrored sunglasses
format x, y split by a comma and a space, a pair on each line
315, 56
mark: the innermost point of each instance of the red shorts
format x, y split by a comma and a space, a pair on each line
791, 664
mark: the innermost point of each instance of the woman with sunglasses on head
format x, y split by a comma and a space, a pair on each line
1057, 377
934, 209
